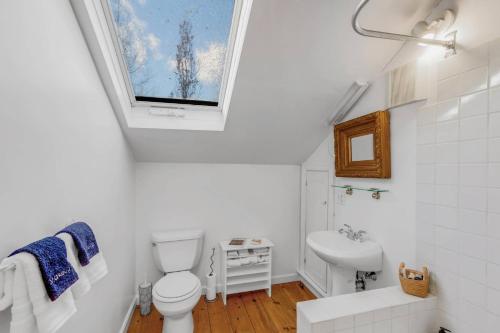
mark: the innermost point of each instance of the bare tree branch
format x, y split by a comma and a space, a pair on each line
133, 48
186, 67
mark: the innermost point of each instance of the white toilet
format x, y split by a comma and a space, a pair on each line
176, 294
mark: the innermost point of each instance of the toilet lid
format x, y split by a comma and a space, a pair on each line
177, 285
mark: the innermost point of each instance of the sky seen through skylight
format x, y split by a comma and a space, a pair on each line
150, 34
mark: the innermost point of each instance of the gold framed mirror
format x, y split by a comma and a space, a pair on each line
363, 147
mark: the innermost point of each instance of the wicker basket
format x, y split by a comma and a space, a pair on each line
418, 288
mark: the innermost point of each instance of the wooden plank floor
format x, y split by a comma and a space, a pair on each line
252, 312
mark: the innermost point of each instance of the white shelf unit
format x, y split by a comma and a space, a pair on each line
248, 276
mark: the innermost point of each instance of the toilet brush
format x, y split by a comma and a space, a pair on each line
211, 294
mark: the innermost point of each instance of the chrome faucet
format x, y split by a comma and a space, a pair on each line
351, 234
348, 231
360, 235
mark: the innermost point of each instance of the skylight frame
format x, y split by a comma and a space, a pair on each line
175, 103
95, 27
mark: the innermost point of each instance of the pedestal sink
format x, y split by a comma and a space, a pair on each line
345, 257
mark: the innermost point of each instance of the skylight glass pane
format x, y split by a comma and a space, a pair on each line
174, 50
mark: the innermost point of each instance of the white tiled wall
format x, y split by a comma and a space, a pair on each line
458, 189
397, 319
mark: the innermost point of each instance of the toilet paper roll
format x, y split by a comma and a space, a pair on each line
211, 287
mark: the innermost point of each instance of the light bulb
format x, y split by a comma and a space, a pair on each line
428, 35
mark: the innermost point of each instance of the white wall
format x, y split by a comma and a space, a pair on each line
390, 220
225, 200
458, 189
62, 154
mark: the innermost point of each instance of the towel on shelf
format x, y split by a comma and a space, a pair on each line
243, 252
262, 250
262, 259
91, 262
32, 309
234, 263
57, 273
244, 261
252, 260
84, 239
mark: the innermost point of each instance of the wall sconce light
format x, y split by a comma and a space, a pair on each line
423, 32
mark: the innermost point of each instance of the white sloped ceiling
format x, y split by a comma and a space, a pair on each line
299, 57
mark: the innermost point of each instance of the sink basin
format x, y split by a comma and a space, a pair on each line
338, 250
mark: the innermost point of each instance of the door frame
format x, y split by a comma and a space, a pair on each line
306, 198
302, 227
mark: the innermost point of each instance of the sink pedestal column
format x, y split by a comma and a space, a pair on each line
344, 280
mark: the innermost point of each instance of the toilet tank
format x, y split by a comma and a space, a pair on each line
177, 250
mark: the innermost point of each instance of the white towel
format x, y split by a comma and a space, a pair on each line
243, 252
88, 275
234, 263
82, 286
32, 309
252, 260
263, 259
263, 250
245, 261
96, 269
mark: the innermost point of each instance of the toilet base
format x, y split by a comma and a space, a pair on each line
179, 324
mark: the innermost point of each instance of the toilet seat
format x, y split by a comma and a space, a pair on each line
176, 287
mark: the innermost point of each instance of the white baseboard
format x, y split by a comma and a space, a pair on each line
128, 316
284, 278
311, 286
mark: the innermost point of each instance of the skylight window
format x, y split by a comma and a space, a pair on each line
166, 63
174, 51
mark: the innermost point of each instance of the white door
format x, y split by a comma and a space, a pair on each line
316, 219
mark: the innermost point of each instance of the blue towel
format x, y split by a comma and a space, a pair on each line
57, 273
84, 239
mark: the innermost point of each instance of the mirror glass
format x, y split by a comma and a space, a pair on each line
362, 148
